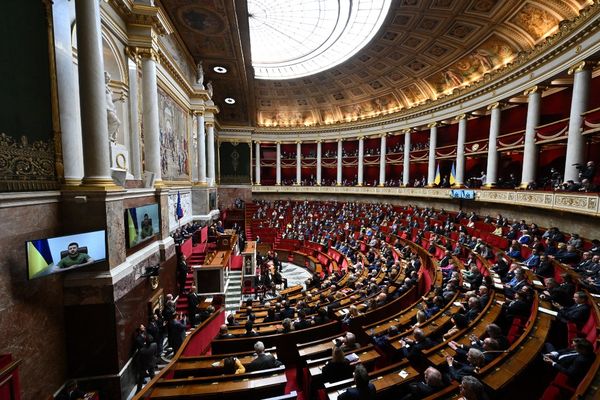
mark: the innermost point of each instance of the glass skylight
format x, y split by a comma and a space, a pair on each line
295, 38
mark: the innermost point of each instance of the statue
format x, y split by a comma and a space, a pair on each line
209, 88
200, 75
111, 111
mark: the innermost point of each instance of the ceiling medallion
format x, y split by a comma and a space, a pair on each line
229, 100
220, 70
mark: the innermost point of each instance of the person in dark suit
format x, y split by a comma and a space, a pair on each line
431, 383
364, 389
146, 362
262, 360
176, 332
574, 362
224, 333
413, 348
578, 313
457, 371
193, 302
338, 368
71, 392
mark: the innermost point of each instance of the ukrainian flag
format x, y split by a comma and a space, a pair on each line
132, 228
438, 177
453, 175
38, 256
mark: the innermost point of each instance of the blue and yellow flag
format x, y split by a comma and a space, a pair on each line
38, 256
453, 175
132, 228
438, 177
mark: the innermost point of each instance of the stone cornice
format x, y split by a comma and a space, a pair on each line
580, 203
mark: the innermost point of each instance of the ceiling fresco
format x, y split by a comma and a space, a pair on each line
424, 50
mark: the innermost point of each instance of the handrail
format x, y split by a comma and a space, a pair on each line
150, 385
8, 369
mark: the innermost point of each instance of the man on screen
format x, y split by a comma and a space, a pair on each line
74, 257
147, 230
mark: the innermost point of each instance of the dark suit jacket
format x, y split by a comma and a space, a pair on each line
575, 367
577, 313
333, 372
263, 361
355, 394
457, 372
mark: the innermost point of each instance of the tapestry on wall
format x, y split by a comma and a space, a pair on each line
27, 90
234, 164
174, 140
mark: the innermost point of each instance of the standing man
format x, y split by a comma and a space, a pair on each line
193, 302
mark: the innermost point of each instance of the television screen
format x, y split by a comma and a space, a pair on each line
64, 253
141, 224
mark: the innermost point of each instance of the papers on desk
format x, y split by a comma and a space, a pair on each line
216, 364
548, 311
457, 303
537, 283
524, 267
595, 295
352, 357
403, 374
467, 285
345, 311
498, 286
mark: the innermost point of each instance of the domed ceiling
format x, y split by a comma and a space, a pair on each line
424, 50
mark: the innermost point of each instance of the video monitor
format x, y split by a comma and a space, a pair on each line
64, 253
141, 224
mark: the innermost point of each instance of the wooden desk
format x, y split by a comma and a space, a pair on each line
232, 389
207, 366
383, 382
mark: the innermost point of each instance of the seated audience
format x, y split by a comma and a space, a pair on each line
263, 360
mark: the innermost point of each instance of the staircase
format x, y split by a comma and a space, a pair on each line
250, 210
197, 257
233, 291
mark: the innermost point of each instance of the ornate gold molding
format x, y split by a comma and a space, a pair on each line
579, 67
532, 90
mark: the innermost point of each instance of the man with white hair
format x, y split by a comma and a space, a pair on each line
263, 360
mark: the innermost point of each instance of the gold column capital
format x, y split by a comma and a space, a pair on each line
532, 90
493, 106
579, 67
432, 125
460, 117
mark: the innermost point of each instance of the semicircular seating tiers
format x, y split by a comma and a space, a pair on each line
394, 277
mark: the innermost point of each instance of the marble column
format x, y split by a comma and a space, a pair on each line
582, 77
68, 95
257, 163
530, 149
460, 150
298, 163
319, 163
135, 146
406, 163
491, 176
150, 115
211, 161
339, 162
382, 153
431, 170
94, 124
278, 164
201, 149
361, 156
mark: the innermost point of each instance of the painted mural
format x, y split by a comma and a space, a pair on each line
174, 139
